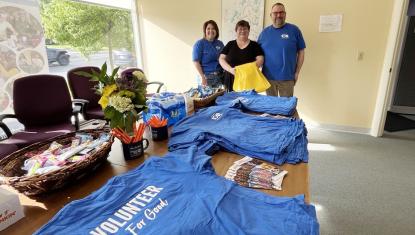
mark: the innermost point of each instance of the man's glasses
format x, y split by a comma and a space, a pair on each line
275, 13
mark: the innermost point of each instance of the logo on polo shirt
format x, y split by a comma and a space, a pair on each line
285, 36
218, 48
216, 116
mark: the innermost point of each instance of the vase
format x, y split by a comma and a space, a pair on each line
134, 150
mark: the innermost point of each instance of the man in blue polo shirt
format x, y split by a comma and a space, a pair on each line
283, 46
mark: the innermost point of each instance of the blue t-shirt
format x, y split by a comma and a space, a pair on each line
207, 53
272, 139
181, 194
255, 102
280, 46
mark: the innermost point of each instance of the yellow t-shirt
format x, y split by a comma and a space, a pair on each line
248, 77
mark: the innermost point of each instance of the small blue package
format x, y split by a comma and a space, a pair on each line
168, 105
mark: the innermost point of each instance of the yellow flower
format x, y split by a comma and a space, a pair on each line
106, 92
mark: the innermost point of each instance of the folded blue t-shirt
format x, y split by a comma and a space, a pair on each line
277, 140
253, 101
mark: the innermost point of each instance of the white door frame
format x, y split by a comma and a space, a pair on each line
135, 18
390, 67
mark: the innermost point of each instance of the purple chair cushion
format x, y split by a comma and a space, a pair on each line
95, 113
81, 87
33, 135
41, 100
6, 149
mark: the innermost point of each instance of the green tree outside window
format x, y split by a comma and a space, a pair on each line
87, 28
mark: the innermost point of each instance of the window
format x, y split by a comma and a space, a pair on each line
55, 36
81, 34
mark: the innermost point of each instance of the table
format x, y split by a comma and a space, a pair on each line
39, 210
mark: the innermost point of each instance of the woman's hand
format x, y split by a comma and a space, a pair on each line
200, 72
204, 80
225, 65
232, 71
259, 60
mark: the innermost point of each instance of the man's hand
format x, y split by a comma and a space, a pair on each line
300, 61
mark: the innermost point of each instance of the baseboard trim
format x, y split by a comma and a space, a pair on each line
332, 127
403, 110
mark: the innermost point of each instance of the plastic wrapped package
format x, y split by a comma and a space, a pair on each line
171, 106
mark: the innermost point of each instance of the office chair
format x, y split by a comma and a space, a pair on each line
6, 149
84, 94
42, 103
131, 70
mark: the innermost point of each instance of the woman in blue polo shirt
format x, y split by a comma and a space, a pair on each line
206, 54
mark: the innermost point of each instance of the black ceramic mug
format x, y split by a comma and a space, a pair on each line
134, 150
159, 133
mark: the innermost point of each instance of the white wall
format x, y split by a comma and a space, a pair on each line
335, 88
168, 33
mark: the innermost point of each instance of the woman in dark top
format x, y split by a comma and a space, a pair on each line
238, 52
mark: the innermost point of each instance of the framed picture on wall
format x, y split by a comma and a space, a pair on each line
236, 10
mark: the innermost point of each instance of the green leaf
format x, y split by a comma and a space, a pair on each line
85, 74
114, 72
117, 120
96, 76
110, 112
126, 93
141, 99
104, 70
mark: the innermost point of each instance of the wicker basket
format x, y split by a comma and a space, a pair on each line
13, 175
199, 103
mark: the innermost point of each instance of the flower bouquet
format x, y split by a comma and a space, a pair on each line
122, 97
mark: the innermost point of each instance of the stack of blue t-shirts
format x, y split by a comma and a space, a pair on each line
277, 140
253, 101
180, 194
